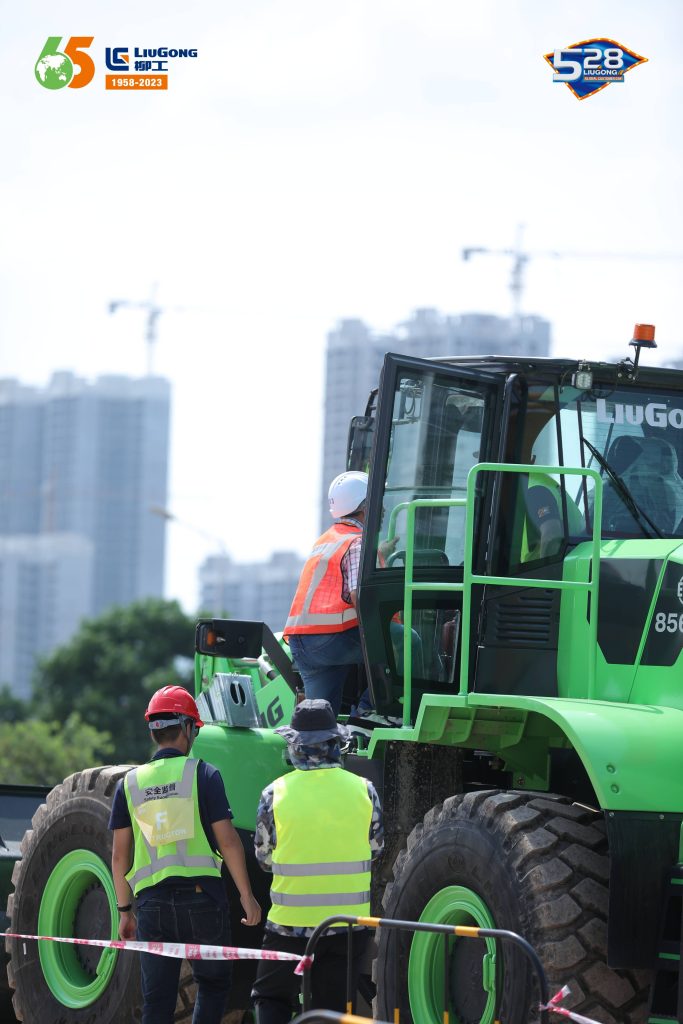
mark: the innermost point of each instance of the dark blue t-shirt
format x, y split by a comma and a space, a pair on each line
213, 806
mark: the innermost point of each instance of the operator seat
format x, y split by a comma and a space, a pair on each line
649, 468
622, 453
653, 480
543, 533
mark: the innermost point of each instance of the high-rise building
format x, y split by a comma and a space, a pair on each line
45, 592
355, 354
260, 591
89, 460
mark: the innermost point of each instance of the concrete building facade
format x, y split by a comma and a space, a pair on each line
46, 584
260, 591
89, 460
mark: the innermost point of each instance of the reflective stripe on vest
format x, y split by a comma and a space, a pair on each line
318, 606
337, 867
321, 860
335, 899
167, 830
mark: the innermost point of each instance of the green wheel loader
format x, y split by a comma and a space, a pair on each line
521, 609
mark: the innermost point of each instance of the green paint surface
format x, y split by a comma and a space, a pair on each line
69, 881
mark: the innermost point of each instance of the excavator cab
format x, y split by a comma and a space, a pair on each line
434, 421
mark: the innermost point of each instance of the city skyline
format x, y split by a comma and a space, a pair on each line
82, 465
90, 458
45, 592
317, 162
258, 591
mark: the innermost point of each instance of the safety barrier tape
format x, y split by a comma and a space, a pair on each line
553, 1006
199, 951
177, 950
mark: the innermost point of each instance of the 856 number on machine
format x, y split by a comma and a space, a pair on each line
664, 642
669, 623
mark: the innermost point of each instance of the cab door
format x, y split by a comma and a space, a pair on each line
435, 421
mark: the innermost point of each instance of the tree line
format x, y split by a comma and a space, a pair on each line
89, 697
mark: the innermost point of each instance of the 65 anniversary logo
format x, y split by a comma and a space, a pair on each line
71, 66
55, 68
592, 65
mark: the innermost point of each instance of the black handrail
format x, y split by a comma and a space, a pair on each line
462, 931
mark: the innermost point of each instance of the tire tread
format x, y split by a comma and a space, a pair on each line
98, 784
557, 853
91, 783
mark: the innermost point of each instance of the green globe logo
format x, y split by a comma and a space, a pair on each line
54, 71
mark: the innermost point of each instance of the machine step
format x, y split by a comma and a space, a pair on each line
666, 994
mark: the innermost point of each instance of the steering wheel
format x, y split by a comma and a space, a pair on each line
421, 556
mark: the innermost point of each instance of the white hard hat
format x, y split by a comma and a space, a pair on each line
347, 491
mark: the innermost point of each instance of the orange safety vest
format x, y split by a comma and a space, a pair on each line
318, 606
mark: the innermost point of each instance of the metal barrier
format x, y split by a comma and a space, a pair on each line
447, 930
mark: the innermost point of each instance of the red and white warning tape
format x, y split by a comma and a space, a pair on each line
554, 1007
178, 950
195, 951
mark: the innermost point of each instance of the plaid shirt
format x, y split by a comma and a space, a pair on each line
350, 563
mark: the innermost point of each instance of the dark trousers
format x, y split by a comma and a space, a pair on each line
276, 989
323, 660
183, 915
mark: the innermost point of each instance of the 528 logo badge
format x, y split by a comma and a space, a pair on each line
55, 68
591, 65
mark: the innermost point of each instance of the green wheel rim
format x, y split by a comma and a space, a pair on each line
454, 905
65, 975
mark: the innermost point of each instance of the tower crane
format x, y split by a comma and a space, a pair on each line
520, 258
154, 311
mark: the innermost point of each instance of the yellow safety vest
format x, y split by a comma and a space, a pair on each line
170, 841
321, 860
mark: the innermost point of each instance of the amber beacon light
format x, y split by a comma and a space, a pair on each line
644, 335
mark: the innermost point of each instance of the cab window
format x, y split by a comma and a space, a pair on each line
436, 436
638, 433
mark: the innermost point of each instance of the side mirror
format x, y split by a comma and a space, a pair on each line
229, 638
237, 638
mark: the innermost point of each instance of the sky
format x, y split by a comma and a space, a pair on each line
319, 161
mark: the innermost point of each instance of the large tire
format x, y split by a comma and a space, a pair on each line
76, 818
534, 864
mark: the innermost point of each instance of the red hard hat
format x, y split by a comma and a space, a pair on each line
173, 701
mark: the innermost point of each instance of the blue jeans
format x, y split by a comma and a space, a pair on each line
183, 915
323, 661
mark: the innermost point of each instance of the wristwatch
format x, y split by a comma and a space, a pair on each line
124, 910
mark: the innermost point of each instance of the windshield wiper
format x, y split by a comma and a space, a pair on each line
623, 491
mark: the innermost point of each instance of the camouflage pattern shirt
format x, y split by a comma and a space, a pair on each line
265, 839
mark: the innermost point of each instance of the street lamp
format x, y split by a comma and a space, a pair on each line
223, 556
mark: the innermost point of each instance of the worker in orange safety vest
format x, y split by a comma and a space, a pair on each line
322, 626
